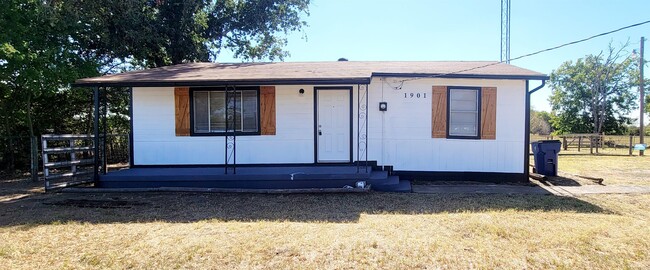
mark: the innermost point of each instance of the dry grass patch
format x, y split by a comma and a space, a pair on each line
324, 231
616, 170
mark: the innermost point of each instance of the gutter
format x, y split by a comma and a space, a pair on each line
527, 128
537, 88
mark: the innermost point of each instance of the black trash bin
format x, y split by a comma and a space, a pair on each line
545, 155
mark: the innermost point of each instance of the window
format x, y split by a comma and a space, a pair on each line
210, 112
464, 112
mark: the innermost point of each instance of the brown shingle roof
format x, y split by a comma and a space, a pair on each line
305, 72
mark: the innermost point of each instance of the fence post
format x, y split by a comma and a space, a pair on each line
34, 159
46, 171
12, 158
631, 147
73, 157
579, 142
564, 143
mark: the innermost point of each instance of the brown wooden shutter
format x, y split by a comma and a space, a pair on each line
267, 110
489, 113
182, 107
439, 112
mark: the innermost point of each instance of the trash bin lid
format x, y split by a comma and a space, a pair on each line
549, 141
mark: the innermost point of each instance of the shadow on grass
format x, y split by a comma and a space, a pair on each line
560, 181
191, 207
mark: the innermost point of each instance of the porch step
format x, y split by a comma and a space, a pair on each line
387, 181
378, 175
393, 185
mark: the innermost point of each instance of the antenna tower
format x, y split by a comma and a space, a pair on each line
505, 31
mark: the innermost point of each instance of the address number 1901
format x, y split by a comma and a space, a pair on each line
415, 95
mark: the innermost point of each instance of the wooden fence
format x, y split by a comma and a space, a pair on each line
593, 143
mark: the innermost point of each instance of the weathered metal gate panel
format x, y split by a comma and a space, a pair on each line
66, 159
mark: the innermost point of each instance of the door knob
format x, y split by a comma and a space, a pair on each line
320, 133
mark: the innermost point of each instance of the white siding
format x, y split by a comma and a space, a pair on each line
155, 142
400, 137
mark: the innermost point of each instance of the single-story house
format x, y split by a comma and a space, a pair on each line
196, 123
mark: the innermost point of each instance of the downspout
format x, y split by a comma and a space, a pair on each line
527, 129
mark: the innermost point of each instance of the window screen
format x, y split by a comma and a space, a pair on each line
463, 112
211, 111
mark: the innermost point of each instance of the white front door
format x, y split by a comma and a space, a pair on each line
333, 125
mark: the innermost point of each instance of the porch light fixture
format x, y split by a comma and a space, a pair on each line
301, 91
383, 106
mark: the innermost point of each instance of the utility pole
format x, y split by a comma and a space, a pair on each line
641, 96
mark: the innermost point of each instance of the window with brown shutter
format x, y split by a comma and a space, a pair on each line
182, 110
461, 112
218, 111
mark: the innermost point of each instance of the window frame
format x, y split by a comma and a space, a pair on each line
478, 112
223, 89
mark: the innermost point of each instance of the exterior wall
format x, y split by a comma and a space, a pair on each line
399, 137
155, 142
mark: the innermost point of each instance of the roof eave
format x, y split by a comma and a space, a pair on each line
329, 81
463, 76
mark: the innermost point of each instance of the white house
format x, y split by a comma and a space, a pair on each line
415, 120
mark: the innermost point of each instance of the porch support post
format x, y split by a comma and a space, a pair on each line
362, 126
96, 134
231, 130
130, 127
367, 100
104, 125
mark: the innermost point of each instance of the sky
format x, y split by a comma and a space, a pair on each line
465, 30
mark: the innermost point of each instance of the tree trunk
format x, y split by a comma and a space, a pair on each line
33, 146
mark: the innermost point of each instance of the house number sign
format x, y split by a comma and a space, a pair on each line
415, 95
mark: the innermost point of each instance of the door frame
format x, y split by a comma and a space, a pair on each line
351, 97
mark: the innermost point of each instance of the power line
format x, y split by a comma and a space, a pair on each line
530, 54
581, 40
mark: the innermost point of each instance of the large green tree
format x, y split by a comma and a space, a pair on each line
38, 60
47, 44
594, 94
165, 32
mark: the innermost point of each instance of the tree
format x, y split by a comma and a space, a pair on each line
166, 32
594, 94
539, 122
38, 60
45, 45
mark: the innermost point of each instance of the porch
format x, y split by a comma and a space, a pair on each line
254, 177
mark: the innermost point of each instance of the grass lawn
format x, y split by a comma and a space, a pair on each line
331, 231
324, 231
614, 168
